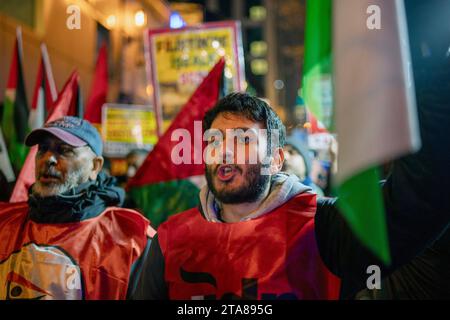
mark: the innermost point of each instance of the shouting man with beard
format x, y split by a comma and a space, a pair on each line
71, 240
254, 229
259, 233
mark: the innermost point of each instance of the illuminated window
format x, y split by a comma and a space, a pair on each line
258, 48
259, 66
257, 13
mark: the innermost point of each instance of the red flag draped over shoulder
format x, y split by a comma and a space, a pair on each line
161, 187
65, 104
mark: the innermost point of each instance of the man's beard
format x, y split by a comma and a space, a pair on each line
74, 179
253, 187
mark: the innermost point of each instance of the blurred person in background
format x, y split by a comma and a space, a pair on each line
135, 158
297, 160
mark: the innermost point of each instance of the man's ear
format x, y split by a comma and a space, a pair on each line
97, 167
277, 160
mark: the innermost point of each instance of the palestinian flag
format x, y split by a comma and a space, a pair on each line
45, 93
15, 110
375, 115
160, 187
66, 100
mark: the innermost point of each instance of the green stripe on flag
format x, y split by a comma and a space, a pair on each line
161, 200
361, 201
16, 149
317, 66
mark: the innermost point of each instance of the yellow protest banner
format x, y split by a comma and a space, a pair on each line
179, 59
127, 127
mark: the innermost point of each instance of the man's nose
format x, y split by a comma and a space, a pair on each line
224, 155
228, 148
49, 158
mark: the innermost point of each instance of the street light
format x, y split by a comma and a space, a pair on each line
111, 21
176, 21
139, 18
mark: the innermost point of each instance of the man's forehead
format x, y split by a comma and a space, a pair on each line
227, 120
48, 138
51, 140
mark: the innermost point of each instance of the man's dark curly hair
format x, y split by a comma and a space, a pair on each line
251, 108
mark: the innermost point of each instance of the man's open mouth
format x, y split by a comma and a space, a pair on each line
226, 172
49, 178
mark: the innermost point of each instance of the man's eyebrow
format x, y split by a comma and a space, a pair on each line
215, 129
242, 128
245, 129
239, 128
59, 144
65, 145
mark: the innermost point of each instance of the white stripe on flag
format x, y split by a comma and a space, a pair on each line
375, 110
5, 163
48, 72
36, 118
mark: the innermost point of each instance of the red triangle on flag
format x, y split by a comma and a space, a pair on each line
73, 89
13, 74
158, 166
46, 81
99, 88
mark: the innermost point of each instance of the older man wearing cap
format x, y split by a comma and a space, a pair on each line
71, 240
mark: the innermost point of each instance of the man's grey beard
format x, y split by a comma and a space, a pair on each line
74, 179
